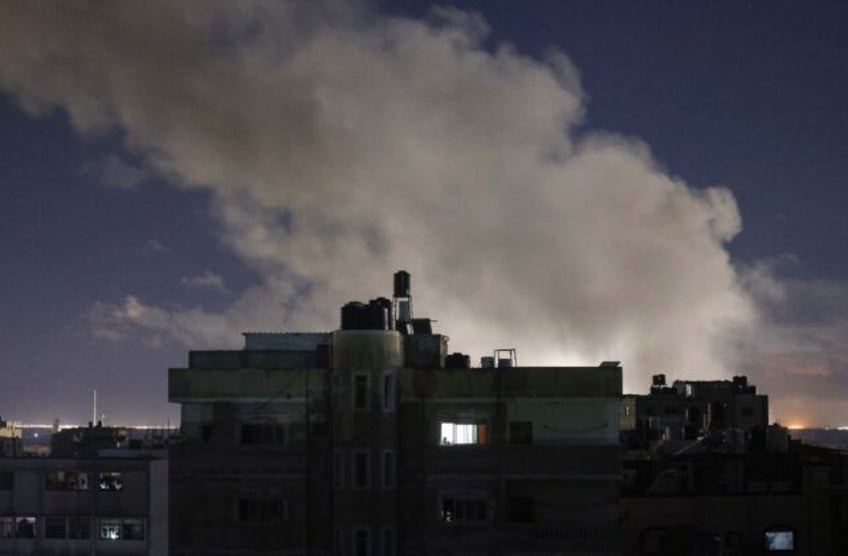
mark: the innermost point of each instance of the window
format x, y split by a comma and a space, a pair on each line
361, 542
78, 528
388, 542
17, 527
253, 434
388, 392
55, 528
110, 529
113, 529
522, 509
25, 527
461, 433
7, 527
7, 480
670, 410
747, 411
521, 432
360, 391
361, 469
338, 470
111, 481
261, 509
780, 540
132, 529
66, 480
388, 469
463, 509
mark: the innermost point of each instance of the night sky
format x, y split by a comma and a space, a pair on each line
660, 183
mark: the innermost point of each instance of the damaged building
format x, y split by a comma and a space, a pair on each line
705, 473
373, 439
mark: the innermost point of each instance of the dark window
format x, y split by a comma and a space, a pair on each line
7, 480
388, 542
78, 528
462, 509
670, 410
388, 392
132, 529
55, 528
747, 411
261, 434
388, 469
521, 432
261, 509
361, 471
338, 470
360, 391
360, 542
522, 509
206, 434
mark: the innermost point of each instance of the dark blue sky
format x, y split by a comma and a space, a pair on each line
752, 96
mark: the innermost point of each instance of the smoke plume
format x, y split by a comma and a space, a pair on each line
340, 145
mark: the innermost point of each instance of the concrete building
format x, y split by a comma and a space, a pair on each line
673, 416
83, 506
373, 440
704, 473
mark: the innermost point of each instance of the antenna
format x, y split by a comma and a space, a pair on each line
94, 409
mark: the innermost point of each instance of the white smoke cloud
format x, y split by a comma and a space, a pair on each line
340, 145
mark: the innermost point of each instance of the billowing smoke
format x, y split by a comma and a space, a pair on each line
340, 145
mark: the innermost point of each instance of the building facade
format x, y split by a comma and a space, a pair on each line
373, 440
83, 506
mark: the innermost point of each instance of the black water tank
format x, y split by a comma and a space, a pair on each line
458, 361
401, 283
352, 316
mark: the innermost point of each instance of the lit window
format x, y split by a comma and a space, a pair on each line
110, 529
7, 527
17, 527
780, 540
360, 391
461, 433
463, 509
25, 527
111, 481
66, 480
114, 529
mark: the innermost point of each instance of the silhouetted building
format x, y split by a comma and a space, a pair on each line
374, 440
82, 506
703, 473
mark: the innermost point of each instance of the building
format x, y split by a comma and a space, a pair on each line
704, 473
81, 506
373, 440
671, 417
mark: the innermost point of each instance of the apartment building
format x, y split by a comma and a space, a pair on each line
372, 439
83, 506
